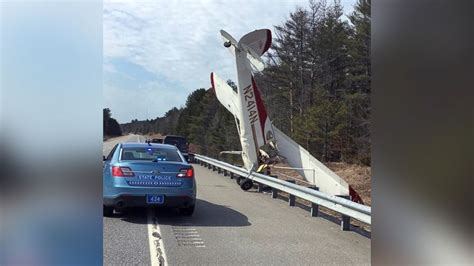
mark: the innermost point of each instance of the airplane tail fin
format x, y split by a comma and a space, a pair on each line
255, 43
259, 41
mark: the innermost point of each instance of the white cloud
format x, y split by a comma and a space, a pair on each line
109, 67
179, 41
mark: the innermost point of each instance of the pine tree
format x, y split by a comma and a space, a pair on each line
110, 126
316, 87
358, 98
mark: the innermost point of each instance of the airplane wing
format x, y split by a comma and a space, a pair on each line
296, 156
225, 94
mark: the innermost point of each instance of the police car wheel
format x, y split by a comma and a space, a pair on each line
187, 211
108, 211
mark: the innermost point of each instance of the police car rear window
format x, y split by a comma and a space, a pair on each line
150, 154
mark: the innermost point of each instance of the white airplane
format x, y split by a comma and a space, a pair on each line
255, 128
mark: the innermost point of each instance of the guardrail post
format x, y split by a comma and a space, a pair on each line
291, 198
231, 175
274, 190
225, 172
274, 193
314, 206
260, 187
219, 170
345, 220
214, 168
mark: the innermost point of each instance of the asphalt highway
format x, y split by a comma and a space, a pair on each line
229, 227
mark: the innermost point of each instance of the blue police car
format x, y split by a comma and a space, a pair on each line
145, 175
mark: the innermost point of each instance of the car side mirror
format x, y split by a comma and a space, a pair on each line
103, 158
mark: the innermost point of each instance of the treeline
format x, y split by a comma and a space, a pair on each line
203, 120
164, 125
111, 128
316, 88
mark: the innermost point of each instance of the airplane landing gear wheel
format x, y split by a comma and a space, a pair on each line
246, 184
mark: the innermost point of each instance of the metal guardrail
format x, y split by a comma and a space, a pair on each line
344, 206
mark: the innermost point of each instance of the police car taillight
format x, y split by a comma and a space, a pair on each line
186, 173
119, 171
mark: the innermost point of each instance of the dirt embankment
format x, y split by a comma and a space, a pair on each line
358, 176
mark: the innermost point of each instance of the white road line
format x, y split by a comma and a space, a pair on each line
155, 241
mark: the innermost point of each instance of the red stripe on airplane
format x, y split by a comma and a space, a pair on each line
268, 43
262, 113
355, 196
212, 82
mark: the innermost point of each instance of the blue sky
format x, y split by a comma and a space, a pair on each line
157, 52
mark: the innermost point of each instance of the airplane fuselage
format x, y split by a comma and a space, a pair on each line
248, 109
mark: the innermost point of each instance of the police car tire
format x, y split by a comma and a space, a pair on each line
187, 211
108, 211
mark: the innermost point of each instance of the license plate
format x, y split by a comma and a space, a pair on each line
155, 199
